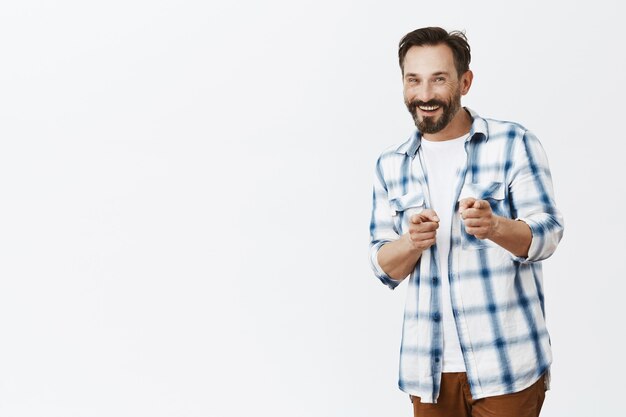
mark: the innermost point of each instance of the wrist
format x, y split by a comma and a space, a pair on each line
496, 227
409, 246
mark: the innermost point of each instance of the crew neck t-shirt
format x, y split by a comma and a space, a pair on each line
443, 160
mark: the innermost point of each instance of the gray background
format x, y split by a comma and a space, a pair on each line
185, 197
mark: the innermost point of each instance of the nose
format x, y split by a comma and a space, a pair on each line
424, 92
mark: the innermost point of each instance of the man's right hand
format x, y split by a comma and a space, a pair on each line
398, 258
423, 229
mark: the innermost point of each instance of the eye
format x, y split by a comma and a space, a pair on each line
439, 80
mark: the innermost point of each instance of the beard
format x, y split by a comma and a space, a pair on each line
432, 124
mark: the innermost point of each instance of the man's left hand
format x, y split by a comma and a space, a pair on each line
478, 217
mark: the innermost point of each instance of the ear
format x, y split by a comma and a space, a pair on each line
466, 81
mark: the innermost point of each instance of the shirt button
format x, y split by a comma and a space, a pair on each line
436, 317
435, 280
437, 360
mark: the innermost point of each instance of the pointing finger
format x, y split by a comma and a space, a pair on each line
466, 203
481, 204
430, 215
416, 219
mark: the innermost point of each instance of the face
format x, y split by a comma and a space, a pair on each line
432, 88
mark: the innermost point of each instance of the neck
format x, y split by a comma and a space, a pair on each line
458, 126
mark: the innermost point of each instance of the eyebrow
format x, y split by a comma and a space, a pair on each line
412, 74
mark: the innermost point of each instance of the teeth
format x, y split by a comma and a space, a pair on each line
428, 108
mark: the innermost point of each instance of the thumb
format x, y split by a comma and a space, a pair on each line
430, 215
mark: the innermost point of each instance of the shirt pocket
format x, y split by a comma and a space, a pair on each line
403, 207
492, 192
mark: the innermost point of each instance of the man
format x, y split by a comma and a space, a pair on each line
465, 208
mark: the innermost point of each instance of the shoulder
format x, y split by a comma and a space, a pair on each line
392, 151
514, 141
391, 165
496, 130
398, 151
505, 129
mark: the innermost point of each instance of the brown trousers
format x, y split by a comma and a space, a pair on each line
455, 400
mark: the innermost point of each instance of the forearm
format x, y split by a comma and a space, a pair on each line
398, 258
513, 235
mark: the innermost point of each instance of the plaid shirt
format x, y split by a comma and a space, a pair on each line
497, 298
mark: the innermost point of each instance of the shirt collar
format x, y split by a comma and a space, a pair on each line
478, 129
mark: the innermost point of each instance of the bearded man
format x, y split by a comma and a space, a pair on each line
465, 209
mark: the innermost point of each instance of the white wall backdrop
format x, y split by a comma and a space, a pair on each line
185, 197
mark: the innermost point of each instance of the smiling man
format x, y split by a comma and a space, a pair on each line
465, 209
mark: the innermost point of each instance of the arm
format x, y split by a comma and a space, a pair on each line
538, 225
532, 198
393, 257
382, 228
398, 258
514, 236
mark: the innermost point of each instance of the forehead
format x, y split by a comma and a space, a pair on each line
426, 60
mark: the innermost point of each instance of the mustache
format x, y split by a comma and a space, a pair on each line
412, 105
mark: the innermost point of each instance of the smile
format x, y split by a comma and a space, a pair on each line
428, 108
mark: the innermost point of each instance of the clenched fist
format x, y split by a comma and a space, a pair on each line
422, 229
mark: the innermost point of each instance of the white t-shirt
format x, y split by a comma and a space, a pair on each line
443, 161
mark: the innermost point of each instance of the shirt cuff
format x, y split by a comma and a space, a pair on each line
378, 271
534, 244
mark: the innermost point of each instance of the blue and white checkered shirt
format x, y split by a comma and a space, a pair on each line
497, 298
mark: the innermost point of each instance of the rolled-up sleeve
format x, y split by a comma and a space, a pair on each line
532, 198
382, 228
